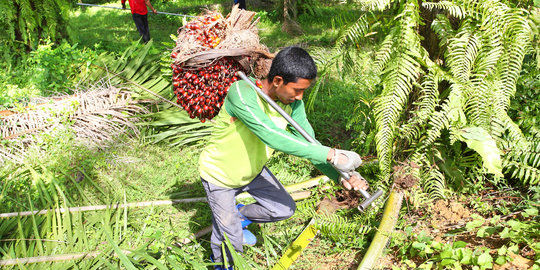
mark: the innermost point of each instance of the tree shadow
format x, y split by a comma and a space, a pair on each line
113, 29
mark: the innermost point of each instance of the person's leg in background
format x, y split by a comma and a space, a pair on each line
241, 4
141, 22
146, 29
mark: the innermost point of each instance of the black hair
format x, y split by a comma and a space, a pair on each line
292, 63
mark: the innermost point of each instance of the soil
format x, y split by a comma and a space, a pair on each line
344, 199
517, 262
448, 213
443, 220
404, 178
348, 198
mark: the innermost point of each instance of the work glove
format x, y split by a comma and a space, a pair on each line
124, 5
346, 161
356, 181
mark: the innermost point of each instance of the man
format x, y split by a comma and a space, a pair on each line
246, 132
140, 16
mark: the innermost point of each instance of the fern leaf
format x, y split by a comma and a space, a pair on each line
379, 5
425, 106
339, 228
452, 8
462, 52
354, 33
435, 184
443, 28
382, 56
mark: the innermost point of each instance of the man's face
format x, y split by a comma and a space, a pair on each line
291, 92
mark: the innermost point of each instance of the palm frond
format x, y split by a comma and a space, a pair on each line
339, 228
95, 116
402, 70
452, 8
379, 5
176, 127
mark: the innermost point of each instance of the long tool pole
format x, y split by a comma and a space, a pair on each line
368, 198
159, 12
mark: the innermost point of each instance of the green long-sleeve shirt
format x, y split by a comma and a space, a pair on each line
246, 133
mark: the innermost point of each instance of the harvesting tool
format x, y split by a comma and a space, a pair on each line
159, 12
368, 198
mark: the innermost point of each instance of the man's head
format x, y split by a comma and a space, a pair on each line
292, 71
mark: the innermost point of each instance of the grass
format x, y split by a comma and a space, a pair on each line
130, 170
113, 30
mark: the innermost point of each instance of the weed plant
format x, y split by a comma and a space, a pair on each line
47, 71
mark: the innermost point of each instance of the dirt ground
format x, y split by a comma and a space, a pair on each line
446, 216
437, 220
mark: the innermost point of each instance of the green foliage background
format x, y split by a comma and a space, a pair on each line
380, 90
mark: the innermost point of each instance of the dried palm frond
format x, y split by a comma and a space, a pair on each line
235, 35
95, 115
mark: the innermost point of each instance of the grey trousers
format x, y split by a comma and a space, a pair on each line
273, 203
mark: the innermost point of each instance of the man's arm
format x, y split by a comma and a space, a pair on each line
147, 2
355, 181
299, 115
241, 102
123, 4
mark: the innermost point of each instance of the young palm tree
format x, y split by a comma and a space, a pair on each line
27, 21
448, 70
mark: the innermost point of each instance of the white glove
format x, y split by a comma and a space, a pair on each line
346, 161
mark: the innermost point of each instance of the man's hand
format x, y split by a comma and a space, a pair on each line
123, 5
154, 10
345, 161
356, 182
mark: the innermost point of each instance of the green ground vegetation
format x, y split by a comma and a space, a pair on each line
62, 172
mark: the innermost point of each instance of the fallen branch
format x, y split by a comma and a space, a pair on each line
64, 257
291, 188
54, 258
102, 207
388, 221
